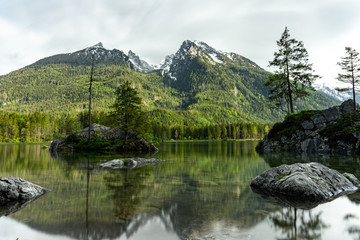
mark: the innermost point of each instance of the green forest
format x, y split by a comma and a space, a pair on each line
42, 127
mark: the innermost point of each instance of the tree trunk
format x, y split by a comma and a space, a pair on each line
91, 80
353, 86
289, 86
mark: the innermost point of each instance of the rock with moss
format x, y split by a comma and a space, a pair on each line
332, 131
304, 185
102, 139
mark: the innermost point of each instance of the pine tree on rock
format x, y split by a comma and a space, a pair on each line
350, 64
294, 75
127, 110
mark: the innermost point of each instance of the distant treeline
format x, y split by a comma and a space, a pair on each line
210, 132
41, 127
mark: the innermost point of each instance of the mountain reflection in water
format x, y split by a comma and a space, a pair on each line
201, 191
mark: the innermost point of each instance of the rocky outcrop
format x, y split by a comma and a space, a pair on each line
16, 193
129, 163
304, 185
69, 143
309, 132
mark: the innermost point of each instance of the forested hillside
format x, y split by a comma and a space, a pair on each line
193, 93
196, 86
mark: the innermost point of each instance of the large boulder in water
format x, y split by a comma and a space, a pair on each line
304, 185
16, 193
17, 189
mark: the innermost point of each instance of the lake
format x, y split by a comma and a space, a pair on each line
200, 191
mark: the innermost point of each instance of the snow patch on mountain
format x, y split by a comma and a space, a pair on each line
138, 64
339, 96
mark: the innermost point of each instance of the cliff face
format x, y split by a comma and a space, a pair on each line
332, 131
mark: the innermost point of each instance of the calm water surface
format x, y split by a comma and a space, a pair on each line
201, 191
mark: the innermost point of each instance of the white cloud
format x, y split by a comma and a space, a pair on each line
17, 46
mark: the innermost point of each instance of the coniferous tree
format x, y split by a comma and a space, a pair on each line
127, 110
294, 75
350, 64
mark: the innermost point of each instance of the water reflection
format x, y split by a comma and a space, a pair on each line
201, 191
297, 224
125, 190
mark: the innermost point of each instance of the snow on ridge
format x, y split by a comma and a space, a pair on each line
214, 57
230, 55
341, 96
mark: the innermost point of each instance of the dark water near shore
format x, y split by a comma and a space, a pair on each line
201, 191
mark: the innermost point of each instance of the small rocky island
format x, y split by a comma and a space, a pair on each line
304, 185
102, 139
332, 131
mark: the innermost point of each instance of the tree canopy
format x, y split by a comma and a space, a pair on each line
293, 76
127, 110
350, 65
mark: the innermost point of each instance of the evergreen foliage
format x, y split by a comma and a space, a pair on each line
350, 64
127, 110
294, 75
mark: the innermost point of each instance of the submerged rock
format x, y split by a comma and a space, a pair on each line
140, 162
113, 164
16, 193
130, 163
304, 185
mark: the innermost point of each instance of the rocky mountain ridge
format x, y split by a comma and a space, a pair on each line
84, 57
168, 65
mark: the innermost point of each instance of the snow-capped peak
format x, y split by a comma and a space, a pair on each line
139, 64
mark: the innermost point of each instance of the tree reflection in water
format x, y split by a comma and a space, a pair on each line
351, 219
125, 188
297, 224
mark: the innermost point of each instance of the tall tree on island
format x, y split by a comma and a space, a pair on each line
127, 110
90, 94
294, 75
350, 64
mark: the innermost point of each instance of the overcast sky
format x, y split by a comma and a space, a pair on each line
31, 30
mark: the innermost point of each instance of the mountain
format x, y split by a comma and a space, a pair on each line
138, 64
333, 93
196, 85
84, 57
